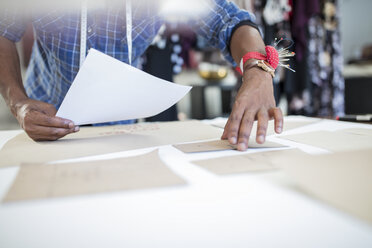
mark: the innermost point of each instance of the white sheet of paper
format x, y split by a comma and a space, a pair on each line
106, 89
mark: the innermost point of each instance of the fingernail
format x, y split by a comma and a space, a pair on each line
242, 147
70, 125
261, 139
279, 129
76, 129
233, 140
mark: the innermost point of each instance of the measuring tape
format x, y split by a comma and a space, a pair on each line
84, 25
83, 31
129, 29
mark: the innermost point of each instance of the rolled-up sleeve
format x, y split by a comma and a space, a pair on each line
12, 25
220, 23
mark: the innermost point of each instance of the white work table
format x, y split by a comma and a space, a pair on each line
263, 209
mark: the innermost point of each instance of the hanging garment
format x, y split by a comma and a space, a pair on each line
303, 10
276, 11
325, 62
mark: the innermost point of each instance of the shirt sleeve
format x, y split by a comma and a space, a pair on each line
219, 24
12, 25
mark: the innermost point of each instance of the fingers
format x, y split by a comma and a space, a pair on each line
238, 130
245, 130
51, 121
277, 114
41, 127
225, 132
233, 124
41, 133
45, 116
263, 119
39, 121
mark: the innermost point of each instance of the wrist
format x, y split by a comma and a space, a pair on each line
15, 101
260, 64
256, 75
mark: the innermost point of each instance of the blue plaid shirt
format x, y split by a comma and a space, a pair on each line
55, 58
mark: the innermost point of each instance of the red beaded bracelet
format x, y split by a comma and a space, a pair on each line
273, 58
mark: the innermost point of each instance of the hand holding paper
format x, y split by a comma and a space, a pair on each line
106, 90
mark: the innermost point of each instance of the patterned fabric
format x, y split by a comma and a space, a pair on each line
55, 58
325, 63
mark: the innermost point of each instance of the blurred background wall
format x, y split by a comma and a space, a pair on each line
356, 31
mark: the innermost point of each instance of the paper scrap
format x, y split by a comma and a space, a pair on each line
343, 180
91, 141
332, 141
42, 181
106, 90
221, 145
251, 162
288, 125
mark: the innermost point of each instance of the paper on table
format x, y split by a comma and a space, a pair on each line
288, 125
332, 141
251, 162
106, 89
341, 179
40, 181
90, 141
221, 145
360, 131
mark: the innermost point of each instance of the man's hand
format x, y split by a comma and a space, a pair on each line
35, 117
39, 121
255, 101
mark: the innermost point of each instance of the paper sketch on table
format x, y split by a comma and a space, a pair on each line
106, 90
247, 163
359, 131
92, 141
221, 145
342, 179
333, 141
42, 181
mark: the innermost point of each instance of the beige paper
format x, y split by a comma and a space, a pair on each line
41, 181
252, 162
288, 125
102, 140
360, 131
221, 145
341, 179
332, 141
